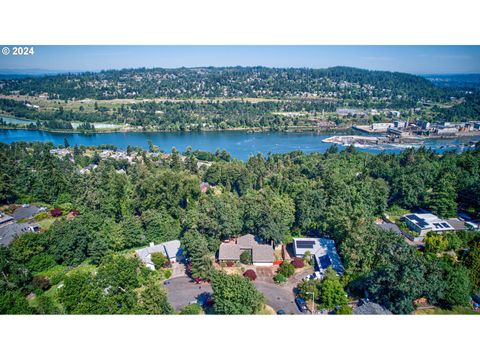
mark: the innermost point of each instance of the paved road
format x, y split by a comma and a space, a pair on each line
181, 291
278, 297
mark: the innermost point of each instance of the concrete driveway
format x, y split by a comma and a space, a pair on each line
182, 290
178, 270
278, 297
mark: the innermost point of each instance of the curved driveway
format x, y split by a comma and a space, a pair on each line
278, 297
181, 291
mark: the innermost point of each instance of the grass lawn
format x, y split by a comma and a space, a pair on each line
46, 223
457, 310
51, 293
396, 212
267, 310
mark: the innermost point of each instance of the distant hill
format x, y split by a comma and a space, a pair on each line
296, 97
26, 73
461, 81
257, 82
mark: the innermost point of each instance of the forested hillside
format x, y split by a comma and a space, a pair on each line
225, 98
336, 82
157, 198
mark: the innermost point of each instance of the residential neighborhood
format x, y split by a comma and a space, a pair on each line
265, 243
415, 226
21, 221
258, 179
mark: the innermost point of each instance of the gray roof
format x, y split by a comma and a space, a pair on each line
262, 254
144, 253
390, 227
5, 218
170, 249
25, 212
228, 251
371, 308
10, 232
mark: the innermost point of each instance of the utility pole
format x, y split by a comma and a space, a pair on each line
313, 301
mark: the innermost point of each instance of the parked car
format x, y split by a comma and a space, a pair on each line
302, 304
281, 312
210, 301
471, 225
205, 299
314, 276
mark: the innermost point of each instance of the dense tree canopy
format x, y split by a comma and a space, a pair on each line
235, 295
156, 199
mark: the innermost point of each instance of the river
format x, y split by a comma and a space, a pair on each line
239, 144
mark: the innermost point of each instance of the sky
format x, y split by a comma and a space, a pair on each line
411, 59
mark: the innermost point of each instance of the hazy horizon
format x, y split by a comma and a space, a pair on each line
420, 60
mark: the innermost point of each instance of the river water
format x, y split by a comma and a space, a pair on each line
239, 144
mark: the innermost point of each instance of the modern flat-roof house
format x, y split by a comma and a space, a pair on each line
171, 250
426, 222
322, 249
8, 233
262, 254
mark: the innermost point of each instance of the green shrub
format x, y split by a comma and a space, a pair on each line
436, 243
396, 210
47, 305
192, 309
246, 257
41, 262
158, 259
41, 216
286, 269
66, 206
306, 288
343, 310
167, 273
279, 278
308, 258
55, 274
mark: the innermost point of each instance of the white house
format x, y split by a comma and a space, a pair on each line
426, 222
171, 250
323, 250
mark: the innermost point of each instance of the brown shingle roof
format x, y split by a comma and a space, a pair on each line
456, 224
229, 252
246, 241
263, 254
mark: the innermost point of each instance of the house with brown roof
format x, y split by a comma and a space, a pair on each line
262, 253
